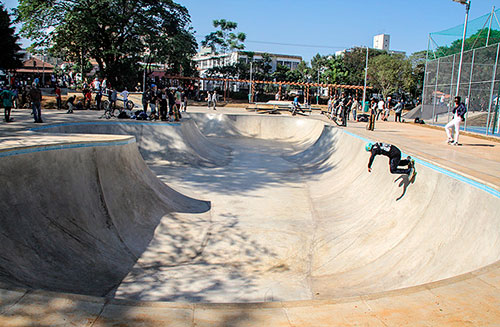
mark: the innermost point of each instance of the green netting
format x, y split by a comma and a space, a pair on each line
481, 31
479, 77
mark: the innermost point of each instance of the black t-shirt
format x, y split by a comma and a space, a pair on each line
384, 149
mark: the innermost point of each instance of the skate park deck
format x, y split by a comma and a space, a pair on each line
469, 298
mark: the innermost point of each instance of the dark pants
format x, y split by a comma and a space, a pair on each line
398, 116
396, 161
98, 101
7, 114
59, 104
37, 111
371, 123
163, 110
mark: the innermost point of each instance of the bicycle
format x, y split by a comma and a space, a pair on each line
110, 112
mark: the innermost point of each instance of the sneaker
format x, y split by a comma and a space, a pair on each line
454, 143
449, 141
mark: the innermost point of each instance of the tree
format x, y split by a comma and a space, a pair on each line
387, 73
415, 83
224, 39
116, 34
355, 62
335, 72
10, 58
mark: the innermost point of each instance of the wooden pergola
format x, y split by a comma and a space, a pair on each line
307, 86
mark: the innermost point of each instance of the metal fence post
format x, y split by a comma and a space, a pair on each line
492, 89
468, 92
435, 91
425, 77
451, 85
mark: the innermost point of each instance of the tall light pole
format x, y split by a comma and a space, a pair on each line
250, 95
366, 75
467, 7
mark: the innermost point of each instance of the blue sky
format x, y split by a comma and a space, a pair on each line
326, 26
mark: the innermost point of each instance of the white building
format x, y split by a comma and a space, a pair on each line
382, 42
206, 59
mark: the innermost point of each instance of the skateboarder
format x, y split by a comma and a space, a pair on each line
394, 155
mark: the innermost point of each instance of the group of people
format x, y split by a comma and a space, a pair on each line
9, 96
340, 107
166, 104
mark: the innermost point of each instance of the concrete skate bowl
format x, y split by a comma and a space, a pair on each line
250, 209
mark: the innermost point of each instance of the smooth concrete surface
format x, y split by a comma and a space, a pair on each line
259, 217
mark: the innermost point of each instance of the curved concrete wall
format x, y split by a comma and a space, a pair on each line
75, 218
368, 232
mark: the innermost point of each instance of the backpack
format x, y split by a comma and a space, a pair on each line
122, 115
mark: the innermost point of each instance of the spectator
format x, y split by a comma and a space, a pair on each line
398, 109
36, 102
113, 96
354, 108
146, 96
380, 108
7, 99
458, 116
153, 101
124, 95
164, 105
57, 91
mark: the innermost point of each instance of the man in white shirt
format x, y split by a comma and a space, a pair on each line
380, 107
124, 95
96, 84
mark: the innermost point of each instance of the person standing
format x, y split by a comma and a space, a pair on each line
214, 100
124, 95
164, 105
177, 101
398, 109
36, 102
7, 99
209, 100
458, 116
57, 90
184, 100
354, 108
145, 100
171, 103
98, 98
153, 99
380, 108
373, 113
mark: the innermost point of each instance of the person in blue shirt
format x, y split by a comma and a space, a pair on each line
7, 99
458, 116
296, 105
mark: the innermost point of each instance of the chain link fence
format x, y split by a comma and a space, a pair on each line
479, 80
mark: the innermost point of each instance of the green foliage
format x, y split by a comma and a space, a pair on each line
389, 73
117, 34
224, 39
477, 40
9, 56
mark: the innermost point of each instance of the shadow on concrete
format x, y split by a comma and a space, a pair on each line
404, 183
